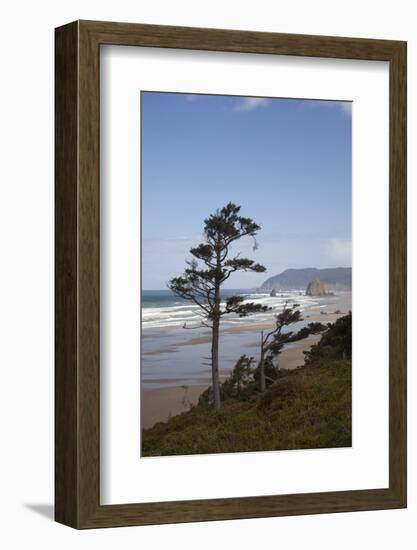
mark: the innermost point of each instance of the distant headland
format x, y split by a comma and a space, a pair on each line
334, 279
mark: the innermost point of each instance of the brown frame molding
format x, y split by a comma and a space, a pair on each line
77, 359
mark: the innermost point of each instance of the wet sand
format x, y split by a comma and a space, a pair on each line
158, 405
325, 317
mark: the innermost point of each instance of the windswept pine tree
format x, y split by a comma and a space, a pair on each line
273, 341
212, 265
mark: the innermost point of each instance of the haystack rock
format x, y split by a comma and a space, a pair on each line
316, 288
273, 293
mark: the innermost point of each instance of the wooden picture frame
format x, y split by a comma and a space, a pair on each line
77, 382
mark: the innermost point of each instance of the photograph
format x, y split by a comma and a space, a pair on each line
246, 274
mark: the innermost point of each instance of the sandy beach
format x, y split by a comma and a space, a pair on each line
175, 395
160, 404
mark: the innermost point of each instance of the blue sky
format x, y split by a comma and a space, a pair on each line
286, 162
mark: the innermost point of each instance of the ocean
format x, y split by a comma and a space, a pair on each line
161, 308
174, 356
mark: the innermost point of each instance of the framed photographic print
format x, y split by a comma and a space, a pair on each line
230, 274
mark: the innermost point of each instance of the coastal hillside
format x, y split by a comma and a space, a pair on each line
305, 408
338, 278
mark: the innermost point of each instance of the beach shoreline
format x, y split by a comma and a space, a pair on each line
160, 404
167, 396
328, 317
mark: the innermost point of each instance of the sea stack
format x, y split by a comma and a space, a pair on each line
316, 288
273, 293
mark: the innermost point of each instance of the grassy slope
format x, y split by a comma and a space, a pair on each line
306, 408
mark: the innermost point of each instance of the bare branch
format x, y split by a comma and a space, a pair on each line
201, 325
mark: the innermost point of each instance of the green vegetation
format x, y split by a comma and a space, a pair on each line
336, 342
305, 408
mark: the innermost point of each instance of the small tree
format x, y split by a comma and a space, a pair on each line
212, 266
272, 342
238, 385
240, 378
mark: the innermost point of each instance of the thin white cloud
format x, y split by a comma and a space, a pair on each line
191, 98
346, 107
250, 103
339, 252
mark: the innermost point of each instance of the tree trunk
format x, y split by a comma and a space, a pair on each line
215, 364
262, 383
216, 332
